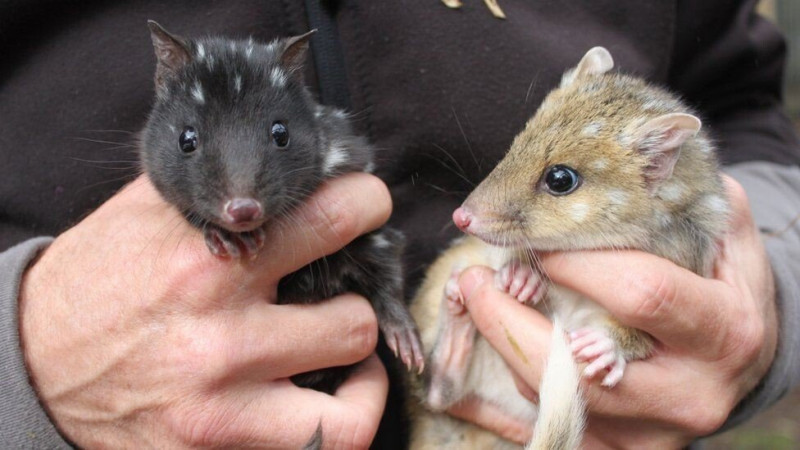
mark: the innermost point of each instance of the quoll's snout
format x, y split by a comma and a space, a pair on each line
462, 218
241, 211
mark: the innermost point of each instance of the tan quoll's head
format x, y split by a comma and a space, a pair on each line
606, 161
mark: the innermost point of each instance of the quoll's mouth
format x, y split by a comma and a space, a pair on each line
241, 227
506, 239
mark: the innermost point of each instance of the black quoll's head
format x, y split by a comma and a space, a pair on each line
232, 138
608, 161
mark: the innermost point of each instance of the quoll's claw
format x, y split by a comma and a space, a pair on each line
219, 242
614, 375
521, 281
455, 302
228, 244
595, 347
405, 343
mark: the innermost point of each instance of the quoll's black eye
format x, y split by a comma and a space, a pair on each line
280, 134
188, 140
561, 180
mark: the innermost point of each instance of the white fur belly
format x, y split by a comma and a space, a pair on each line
573, 310
491, 380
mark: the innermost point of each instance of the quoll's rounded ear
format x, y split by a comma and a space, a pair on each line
294, 53
660, 140
596, 61
172, 53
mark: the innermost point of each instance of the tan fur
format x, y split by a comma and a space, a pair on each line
601, 124
634, 343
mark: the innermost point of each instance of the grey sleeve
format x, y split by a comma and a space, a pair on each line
23, 422
774, 193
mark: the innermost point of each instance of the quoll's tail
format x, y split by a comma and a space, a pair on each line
561, 405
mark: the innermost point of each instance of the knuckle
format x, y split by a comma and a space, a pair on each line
362, 333
342, 210
706, 418
748, 338
196, 269
703, 410
336, 216
202, 355
652, 296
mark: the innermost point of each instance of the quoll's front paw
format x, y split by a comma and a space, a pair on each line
224, 243
522, 282
404, 341
595, 347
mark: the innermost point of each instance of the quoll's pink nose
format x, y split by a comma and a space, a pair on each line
242, 210
462, 218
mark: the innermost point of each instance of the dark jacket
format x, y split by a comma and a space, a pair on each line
440, 92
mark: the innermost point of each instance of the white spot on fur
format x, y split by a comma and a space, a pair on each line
379, 241
653, 105
579, 211
197, 93
340, 114
233, 46
672, 192
715, 203
201, 52
249, 50
592, 130
703, 145
336, 155
600, 164
617, 197
237, 83
210, 62
172, 128
277, 77
370, 167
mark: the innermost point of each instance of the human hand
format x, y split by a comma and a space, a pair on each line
135, 336
716, 338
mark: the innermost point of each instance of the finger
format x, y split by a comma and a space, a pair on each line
743, 264
270, 341
366, 388
351, 417
743, 254
519, 333
679, 308
655, 391
282, 415
341, 210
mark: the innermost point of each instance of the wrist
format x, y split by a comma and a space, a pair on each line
24, 423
